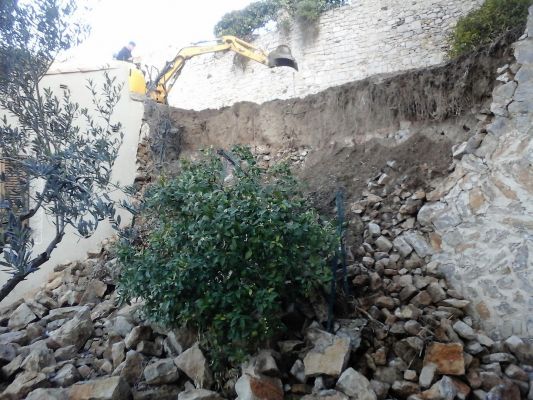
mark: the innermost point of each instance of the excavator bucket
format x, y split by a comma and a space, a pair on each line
282, 57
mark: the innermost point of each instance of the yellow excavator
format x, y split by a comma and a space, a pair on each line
159, 88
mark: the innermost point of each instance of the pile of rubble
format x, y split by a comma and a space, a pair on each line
406, 334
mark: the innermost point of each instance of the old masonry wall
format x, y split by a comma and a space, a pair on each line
482, 214
352, 42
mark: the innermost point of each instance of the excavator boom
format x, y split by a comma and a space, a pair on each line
159, 89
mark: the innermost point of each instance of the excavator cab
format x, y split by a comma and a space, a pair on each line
282, 57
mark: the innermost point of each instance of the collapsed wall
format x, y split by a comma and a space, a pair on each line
349, 43
483, 212
345, 137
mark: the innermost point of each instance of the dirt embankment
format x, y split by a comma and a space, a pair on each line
348, 133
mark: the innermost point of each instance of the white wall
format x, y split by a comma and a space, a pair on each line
129, 113
350, 43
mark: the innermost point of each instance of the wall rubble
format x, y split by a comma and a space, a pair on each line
349, 43
483, 212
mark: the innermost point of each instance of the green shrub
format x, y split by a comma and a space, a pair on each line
243, 23
485, 24
223, 257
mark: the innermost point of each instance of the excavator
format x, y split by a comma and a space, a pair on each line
159, 88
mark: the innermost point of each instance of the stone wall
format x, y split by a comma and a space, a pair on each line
483, 213
364, 38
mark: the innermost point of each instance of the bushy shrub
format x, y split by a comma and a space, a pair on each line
225, 253
485, 24
243, 23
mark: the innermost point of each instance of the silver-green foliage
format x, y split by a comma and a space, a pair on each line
225, 253
63, 151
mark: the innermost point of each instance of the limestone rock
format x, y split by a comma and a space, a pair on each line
24, 383
131, 370
114, 388
193, 363
136, 335
464, 330
38, 359
328, 357
118, 353
21, 317
249, 387
160, 372
94, 291
506, 391
15, 364
199, 394
355, 385
75, 331
427, 375
48, 394
448, 358
66, 376
7, 353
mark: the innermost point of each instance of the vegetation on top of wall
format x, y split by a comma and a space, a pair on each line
485, 24
243, 23
227, 249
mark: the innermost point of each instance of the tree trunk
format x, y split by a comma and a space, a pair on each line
10, 285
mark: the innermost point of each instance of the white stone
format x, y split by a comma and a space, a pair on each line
355, 385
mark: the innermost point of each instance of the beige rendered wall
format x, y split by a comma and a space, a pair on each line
129, 113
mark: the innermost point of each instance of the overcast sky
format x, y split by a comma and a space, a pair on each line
155, 25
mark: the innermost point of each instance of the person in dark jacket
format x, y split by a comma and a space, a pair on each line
125, 53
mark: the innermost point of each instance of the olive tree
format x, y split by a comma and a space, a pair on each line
56, 156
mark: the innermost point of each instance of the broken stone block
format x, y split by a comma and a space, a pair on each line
404, 388
136, 335
328, 357
66, 376
21, 317
114, 388
464, 330
160, 372
25, 383
38, 359
194, 364
448, 358
48, 394
199, 394
250, 387
355, 385
76, 331
427, 375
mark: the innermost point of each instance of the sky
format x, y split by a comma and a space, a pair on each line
156, 26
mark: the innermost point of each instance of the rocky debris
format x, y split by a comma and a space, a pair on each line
329, 355
448, 358
355, 385
24, 383
194, 364
21, 317
114, 388
258, 387
160, 372
405, 332
48, 394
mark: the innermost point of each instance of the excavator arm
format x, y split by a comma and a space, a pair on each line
159, 89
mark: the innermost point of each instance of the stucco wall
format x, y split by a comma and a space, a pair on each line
364, 38
129, 113
483, 213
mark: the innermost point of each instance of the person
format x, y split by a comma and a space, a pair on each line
125, 53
